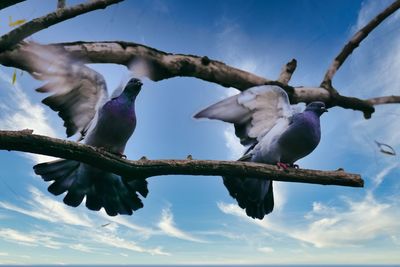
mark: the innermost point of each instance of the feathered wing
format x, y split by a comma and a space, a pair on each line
77, 92
253, 112
259, 114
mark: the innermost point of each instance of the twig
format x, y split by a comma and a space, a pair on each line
7, 3
393, 99
287, 71
356, 40
15, 36
27, 142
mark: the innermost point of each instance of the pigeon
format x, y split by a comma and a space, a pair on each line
273, 131
79, 95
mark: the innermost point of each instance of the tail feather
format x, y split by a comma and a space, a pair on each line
102, 189
56, 169
93, 201
62, 184
252, 194
139, 185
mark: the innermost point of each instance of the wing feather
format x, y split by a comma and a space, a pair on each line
76, 91
254, 112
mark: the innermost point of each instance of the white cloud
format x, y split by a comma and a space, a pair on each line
266, 249
378, 179
119, 220
45, 208
354, 225
28, 239
81, 247
118, 242
363, 220
19, 113
167, 225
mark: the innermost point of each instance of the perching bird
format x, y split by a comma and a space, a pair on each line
275, 134
80, 97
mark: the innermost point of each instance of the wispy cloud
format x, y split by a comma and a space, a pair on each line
28, 239
81, 247
357, 223
363, 220
146, 232
45, 208
167, 225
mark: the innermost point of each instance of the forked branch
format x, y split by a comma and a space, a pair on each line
356, 40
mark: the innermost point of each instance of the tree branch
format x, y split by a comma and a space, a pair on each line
7, 3
160, 65
15, 36
356, 40
28, 142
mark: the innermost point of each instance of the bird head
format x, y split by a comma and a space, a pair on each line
317, 107
133, 87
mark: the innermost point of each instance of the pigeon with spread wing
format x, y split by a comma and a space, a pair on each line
79, 95
274, 133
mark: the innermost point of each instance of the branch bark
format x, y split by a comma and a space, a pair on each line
7, 3
15, 36
356, 40
27, 142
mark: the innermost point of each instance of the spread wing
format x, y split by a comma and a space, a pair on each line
254, 112
77, 92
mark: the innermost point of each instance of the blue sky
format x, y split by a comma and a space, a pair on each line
193, 219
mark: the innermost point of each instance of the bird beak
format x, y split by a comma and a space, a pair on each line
324, 109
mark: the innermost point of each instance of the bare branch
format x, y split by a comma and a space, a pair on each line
15, 36
7, 3
287, 71
162, 65
356, 40
28, 142
393, 99
60, 4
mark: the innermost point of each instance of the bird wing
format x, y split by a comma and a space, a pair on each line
77, 91
254, 112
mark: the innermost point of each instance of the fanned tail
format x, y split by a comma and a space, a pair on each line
254, 195
102, 189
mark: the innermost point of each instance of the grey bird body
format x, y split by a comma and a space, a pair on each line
80, 97
264, 120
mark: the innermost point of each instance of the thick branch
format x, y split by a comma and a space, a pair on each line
15, 36
28, 142
357, 39
7, 3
